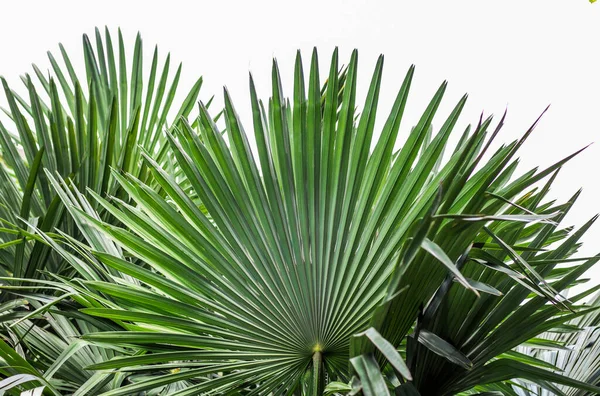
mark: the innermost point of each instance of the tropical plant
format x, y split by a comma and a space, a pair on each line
316, 265
77, 129
81, 137
576, 353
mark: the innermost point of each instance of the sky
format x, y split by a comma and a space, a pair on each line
509, 54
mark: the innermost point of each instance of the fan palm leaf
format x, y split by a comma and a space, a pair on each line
79, 135
575, 353
76, 127
318, 251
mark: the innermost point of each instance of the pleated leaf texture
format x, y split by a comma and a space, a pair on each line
333, 259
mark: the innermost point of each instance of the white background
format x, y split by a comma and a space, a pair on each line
524, 54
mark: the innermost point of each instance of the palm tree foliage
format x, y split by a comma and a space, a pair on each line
77, 129
575, 353
80, 137
313, 264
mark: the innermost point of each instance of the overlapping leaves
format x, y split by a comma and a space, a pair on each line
315, 260
78, 128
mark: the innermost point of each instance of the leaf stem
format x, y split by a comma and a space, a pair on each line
317, 385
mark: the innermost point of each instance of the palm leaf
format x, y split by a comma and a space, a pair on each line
300, 247
75, 128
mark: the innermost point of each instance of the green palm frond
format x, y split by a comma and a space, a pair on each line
165, 257
76, 127
80, 129
577, 353
316, 239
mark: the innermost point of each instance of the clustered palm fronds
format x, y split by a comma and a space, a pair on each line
171, 258
574, 349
